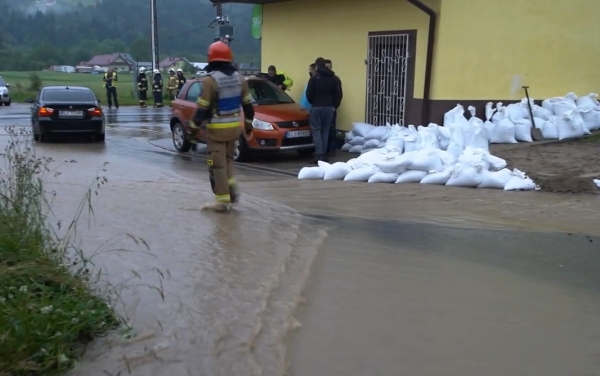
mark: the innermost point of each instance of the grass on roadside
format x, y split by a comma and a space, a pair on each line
48, 311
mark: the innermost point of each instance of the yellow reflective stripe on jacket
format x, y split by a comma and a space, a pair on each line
223, 198
233, 124
203, 103
247, 99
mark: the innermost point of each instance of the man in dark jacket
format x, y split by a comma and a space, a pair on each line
332, 144
323, 93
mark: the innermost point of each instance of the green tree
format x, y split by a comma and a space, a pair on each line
141, 49
189, 68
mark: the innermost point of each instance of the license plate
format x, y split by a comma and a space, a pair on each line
71, 113
297, 134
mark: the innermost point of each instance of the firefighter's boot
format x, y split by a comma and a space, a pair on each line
220, 207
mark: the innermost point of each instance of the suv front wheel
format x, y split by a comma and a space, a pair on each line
180, 140
240, 153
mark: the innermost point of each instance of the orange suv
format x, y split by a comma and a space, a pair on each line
279, 123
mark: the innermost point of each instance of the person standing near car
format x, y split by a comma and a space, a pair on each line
224, 91
332, 143
172, 85
142, 83
157, 89
303, 101
323, 93
110, 80
180, 80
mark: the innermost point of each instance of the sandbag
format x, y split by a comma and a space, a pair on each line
549, 103
393, 129
378, 155
377, 133
504, 133
442, 134
570, 125
346, 147
495, 179
523, 130
397, 165
495, 163
437, 178
412, 142
356, 149
411, 176
489, 111
475, 157
464, 175
489, 128
588, 101
358, 140
362, 174
537, 122
383, 177
426, 160
449, 117
361, 129
372, 143
500, 113
541, 112
457, 142
477, 137
519, 181
337, 171
549, 128
429, 138
311, 173
349, 136
591, 118
562, 107
515, 112
396, 142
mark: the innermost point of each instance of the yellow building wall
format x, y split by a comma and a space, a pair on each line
488, 49
295, 33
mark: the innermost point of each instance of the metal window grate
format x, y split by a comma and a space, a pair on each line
387, 62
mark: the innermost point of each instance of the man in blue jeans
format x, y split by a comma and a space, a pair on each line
324, 95
332, 144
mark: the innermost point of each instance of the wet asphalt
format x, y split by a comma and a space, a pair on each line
383, 296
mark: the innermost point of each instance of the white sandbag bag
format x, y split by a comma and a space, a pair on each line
371, 144
571, 125
411, 176
437, 178
591, 118
588, 101
504, 133
495, 179
346, 147
523, 130
489, 128
477, 137
474, 119
378, 155
396, 142
362, 174
324, 165
495, 163
349, 136
515, 112
500, 113
412, 142
442, 134
549, 103
541, 112
464, 175
519, 181
393, 129
398, 164
450, 116
448, 160
549, 128
537, 122
562, 107
597, 182
429, 138
337, 171
358, 140
383, 177
475, 157
489, 111
311, 173
457, 142
377, 133
427, 160
361, 129
356, 149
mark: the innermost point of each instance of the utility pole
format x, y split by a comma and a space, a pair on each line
154, 23
223, 29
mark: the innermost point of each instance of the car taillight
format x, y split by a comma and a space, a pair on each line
95, 111
46, 111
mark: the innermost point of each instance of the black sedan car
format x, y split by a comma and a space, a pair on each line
66, 110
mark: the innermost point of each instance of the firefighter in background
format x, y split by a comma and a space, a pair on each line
172, 85
110, 80
142, 83
157, 89
180, 80
224, 91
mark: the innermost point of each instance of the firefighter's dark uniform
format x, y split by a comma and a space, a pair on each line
180, 81
157, 90
142, 83
110, 80
172, 87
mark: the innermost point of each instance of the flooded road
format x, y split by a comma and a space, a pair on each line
410, 282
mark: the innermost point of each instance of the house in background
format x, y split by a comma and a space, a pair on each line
173, 63
410, 61
118, 61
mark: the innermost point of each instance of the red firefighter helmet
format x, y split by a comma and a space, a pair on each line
219, 51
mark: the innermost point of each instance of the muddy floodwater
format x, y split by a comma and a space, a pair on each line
327, 278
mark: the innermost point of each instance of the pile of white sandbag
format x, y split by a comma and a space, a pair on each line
557, 118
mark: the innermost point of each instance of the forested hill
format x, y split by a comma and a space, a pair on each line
32, 39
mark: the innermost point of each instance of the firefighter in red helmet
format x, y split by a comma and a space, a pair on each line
224, 94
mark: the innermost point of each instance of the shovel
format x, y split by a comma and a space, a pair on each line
536, 134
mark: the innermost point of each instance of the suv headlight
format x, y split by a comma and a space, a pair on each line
263, 125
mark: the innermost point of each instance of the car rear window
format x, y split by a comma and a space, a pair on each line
68, 96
